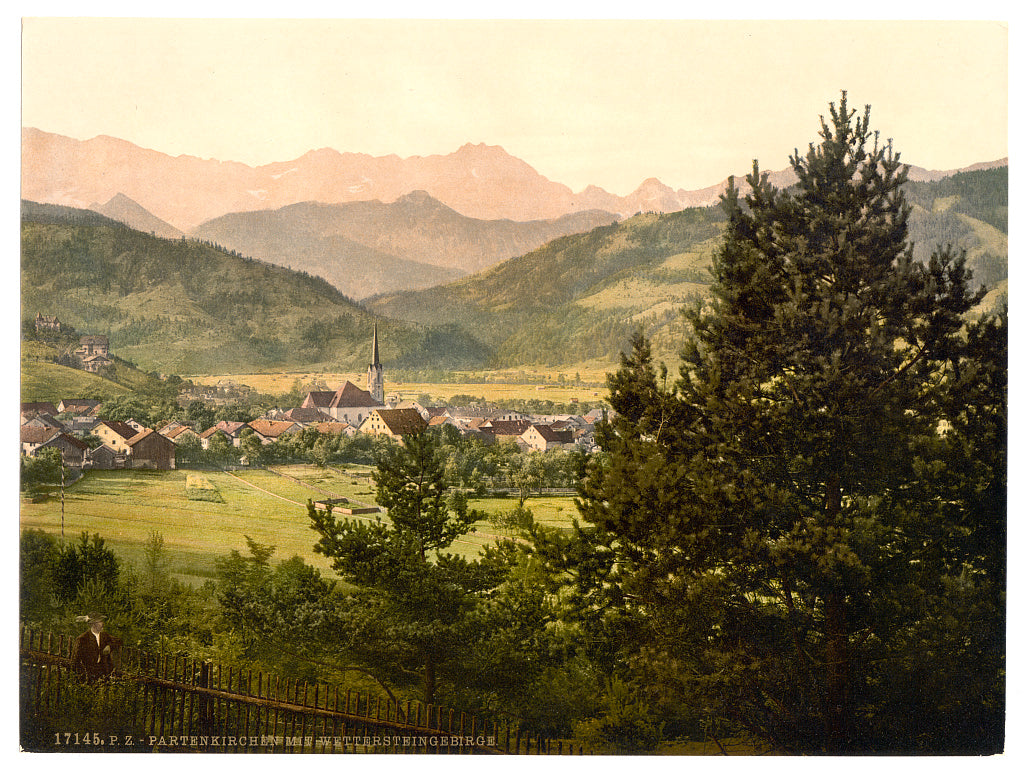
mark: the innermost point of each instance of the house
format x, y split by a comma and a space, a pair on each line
81, 407
179, 432
96, 363
72, 450
336, 428
349, 403
393, 422
151, 451
106, 458
233, 429
206, 435
115, 434
33, 437
270, 431
47, 323
94, 352
541, 437
306, 415
33, 408
138, 426
505, 431
41, 420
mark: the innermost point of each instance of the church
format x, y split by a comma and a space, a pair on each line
349, 403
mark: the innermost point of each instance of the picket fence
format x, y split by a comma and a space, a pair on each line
172, 703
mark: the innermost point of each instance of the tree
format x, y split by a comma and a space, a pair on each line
414, 599
43, 468
789, 535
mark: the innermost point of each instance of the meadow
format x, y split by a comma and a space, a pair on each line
126, 507
492, 386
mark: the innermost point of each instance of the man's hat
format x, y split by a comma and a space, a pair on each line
92, 617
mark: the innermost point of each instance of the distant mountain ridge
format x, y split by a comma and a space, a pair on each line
368, 247
478, 181
580, 297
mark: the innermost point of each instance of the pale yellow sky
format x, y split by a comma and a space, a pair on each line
608, 103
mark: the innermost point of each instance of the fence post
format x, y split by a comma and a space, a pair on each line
205, 709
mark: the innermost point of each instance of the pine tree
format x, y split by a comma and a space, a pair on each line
808, 521
413, 598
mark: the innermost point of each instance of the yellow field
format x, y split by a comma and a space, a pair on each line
493, 386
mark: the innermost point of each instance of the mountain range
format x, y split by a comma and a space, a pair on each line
478, 181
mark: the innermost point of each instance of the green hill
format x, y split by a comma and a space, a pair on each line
580, 297
185, 307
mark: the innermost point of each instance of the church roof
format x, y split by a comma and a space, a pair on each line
351, 396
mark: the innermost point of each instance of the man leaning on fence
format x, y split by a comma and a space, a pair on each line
93, 652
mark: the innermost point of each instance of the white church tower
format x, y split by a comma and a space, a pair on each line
375, 373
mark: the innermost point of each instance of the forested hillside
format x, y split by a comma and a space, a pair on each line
184, 307
581, 296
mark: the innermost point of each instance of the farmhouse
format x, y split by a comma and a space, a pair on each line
33, 408
541, 437
115, 434
33, 437
78, 407
270, 431
106, 458
150, 450
393, 422
72, 450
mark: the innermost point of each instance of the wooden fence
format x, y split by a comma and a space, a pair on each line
172, 703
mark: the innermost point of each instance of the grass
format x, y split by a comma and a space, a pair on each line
126, 506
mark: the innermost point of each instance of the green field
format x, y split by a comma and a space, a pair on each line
126, 506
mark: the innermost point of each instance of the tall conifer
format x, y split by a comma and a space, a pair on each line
809, 519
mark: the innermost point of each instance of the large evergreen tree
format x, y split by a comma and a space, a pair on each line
803, 535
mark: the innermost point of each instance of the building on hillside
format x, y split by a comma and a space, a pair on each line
33, 408
47, 324
149, 450
393, 422
115, 434
375, 373
542, 437
96, 363
91, 345
81, 407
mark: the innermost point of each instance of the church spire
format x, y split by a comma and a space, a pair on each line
375, 373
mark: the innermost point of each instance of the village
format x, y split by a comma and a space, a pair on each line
86, 441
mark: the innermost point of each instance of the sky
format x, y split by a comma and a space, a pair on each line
584, 102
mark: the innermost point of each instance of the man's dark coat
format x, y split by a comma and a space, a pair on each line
93, 659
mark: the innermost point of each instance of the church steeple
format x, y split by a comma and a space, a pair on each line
375, 373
